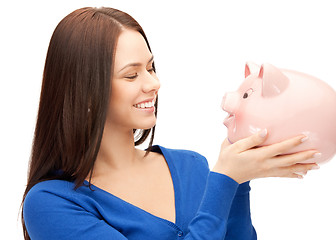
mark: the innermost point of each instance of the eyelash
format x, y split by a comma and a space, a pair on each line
132, 77
136, 74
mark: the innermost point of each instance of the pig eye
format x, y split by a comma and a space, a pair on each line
248, 93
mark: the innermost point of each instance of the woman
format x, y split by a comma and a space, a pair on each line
86, 178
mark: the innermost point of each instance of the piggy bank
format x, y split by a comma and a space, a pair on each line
287, 103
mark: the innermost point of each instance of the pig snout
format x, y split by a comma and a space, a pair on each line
230, 102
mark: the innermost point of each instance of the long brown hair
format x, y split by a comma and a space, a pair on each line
75, 96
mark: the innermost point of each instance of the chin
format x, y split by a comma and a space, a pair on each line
146, 125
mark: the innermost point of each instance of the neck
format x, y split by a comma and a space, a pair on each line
117, 151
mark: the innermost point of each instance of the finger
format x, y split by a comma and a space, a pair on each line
303, 169
294, 171
295, 158
299, 169
296, 175
284, 146
251, 141
226, 143
288, 174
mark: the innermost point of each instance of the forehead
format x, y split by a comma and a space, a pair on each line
131, 47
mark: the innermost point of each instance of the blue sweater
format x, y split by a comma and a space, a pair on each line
208, 205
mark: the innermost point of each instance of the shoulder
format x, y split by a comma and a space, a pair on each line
46, 200
51, 187
183, 157
48, 193
57, 198
53, 209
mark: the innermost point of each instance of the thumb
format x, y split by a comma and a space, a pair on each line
252, 141
226, 143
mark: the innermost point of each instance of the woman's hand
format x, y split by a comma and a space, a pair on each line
243, 161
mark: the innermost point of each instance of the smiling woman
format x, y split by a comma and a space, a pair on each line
77, 84
87, 180
134, 85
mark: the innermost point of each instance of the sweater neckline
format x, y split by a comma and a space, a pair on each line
175, 180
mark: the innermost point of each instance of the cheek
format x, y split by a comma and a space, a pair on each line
116, 97
123, 96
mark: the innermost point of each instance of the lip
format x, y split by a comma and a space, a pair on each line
147, 109
147, 100
229, 119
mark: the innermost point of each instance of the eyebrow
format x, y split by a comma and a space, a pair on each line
135, 64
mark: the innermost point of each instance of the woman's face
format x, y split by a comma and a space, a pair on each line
134, 84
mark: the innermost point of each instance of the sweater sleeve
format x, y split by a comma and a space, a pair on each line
239, 223
211, 219
49, 215
224, 212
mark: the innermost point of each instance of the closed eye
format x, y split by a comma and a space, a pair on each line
133, 76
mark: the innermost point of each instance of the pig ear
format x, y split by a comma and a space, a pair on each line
251, 68
274, 81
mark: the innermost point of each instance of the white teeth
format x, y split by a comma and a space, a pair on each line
149, 104
145, 105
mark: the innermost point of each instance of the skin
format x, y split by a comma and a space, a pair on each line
120, 168
243, 161
145, 181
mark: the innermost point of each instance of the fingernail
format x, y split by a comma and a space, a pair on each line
315, 167
317, 155
263, 133
300, 177
304, 139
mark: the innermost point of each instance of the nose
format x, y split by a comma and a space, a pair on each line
230, 102
151, 83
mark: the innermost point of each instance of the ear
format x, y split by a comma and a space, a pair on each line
251, 68
274, 82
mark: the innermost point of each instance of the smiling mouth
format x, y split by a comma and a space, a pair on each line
145, 105
229, 119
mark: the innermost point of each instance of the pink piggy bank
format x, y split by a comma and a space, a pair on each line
287, 103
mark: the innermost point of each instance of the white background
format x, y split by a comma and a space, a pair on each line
200, 49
